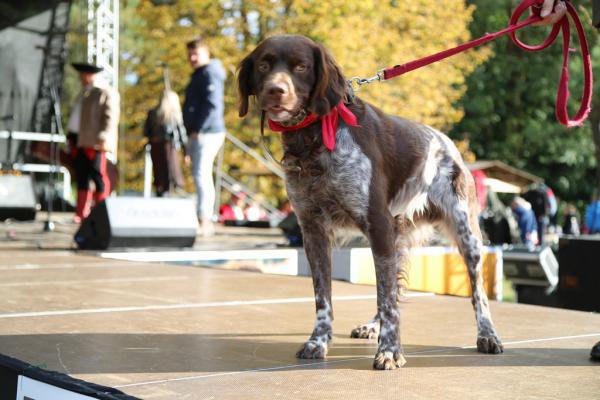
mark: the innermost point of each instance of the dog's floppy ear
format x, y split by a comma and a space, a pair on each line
330, 85
246, 85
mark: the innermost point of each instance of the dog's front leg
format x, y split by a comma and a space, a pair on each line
382, 236
317, 244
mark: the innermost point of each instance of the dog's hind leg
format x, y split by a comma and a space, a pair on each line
317, 244
408, 233
368, 330
461, 221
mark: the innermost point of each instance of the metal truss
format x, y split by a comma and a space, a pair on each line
103, 37
42, 119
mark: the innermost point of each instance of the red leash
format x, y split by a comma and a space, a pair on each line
563, 86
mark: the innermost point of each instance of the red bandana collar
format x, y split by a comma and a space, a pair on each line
329, 123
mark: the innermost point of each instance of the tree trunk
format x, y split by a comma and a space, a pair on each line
244, 23
595, 123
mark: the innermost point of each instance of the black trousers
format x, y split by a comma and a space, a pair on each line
90, 165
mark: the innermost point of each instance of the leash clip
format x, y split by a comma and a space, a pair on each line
356, 82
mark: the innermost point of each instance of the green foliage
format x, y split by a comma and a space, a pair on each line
364, 36
509, 106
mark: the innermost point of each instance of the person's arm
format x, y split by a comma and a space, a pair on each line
148, 124
209, 100
190, 105
109, 116
183, 139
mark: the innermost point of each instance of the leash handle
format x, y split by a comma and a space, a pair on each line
562, 94
563, 86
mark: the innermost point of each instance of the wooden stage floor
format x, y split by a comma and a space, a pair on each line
158, 331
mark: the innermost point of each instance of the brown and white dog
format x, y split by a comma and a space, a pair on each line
383, 174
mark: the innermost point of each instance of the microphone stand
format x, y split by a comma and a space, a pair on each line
7, 165
49, 225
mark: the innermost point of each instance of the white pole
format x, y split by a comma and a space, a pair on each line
147, 172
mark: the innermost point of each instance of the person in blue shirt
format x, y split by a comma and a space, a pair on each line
526, 221
204, 122
592, 216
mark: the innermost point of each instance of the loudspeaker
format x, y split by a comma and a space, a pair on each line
247, 224
291, 230
534, 274
17, 198
139, 222
530, 267
579, 285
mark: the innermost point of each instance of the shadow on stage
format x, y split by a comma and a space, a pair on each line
92, 353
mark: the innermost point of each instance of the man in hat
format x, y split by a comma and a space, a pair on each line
94, 120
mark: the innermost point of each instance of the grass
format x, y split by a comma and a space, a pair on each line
508, 292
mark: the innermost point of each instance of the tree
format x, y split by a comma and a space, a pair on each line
509, 107
594, 39
363, 36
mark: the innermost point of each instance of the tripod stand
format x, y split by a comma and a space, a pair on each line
7, 164
57, 128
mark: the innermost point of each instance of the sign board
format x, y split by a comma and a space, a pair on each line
30, 389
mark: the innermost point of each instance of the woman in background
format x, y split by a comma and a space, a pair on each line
166, 135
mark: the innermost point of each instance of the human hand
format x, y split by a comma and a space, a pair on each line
187, 161
100, 144
552, 13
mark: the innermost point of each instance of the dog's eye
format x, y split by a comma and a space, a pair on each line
263, 66
300, 68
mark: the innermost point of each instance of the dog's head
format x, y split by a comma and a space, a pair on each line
290, 74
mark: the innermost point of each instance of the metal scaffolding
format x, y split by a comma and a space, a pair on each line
102, 50
103, 37
52, 69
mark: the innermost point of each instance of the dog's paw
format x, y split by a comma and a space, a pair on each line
388, 360
312, 349
369, 330
490, 344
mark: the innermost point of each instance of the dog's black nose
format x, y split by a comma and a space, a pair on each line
276, 90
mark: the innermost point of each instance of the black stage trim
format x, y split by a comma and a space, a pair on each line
8, 381
11, 368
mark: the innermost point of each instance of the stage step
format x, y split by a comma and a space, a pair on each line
432, 269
